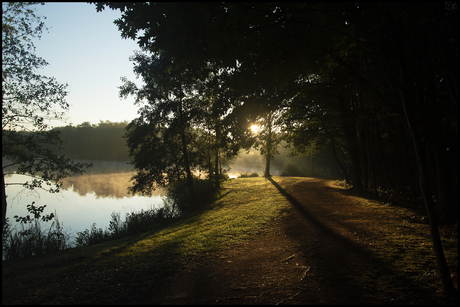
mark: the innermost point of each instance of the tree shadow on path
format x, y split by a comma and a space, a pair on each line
342, 271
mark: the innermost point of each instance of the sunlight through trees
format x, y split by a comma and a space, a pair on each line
373, 83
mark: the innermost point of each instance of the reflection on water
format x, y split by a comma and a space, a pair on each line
85, 199
113, 185
104, 179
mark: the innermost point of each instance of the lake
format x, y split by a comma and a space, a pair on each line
91, 197
85, 199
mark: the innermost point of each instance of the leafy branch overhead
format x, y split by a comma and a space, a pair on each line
374, 83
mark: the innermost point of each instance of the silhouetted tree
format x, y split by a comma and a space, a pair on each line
167, 118
29, 100
386, 73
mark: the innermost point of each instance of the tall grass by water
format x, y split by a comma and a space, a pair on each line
31, 239
134, 222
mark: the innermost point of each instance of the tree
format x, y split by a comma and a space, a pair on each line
163, 129
227, 118
29, 100
269, 137
388, 69
424, 112
164, 142
312, 121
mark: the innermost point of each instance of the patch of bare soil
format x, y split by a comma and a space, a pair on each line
327, 248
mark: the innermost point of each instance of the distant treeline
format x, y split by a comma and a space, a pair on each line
103, 141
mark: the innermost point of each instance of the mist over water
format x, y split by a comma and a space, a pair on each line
93, 196
110, 185
84, 199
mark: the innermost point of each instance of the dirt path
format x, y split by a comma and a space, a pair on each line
325, 249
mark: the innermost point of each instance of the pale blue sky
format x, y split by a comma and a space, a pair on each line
85, 49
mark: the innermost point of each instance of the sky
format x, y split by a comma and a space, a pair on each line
85, 50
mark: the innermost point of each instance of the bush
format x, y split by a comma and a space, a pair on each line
31, 240
290, 169
93, 236
116, 226
135, 222
179, 194
246, 175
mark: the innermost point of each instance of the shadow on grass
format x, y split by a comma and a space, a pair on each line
397, 201
307, 215
345, 271
117, 271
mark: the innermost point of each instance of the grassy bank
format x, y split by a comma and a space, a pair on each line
380, 251
105, 272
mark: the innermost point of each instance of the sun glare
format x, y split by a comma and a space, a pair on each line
255, 128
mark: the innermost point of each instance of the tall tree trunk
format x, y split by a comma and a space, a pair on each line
186, 159
349, 130
187, 168
419, 146
370, 156
209, 156
407, 166
267, 166
268, 146
3, 201
344, 171
382, 159
441, 162
444, 180
365, 164
216, 160
216, 168
425, 189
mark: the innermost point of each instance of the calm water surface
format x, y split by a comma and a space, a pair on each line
84, 200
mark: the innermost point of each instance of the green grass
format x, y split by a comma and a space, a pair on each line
238, 215
121, 271
242, 211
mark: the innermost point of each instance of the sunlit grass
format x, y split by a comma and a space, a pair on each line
236, 216
109, 272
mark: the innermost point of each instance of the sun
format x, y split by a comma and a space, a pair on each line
255, 128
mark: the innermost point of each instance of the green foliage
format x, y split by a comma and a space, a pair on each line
179, 194
154, 153
116, 225
246, 175
135, 222
267, 46
161, 141
104, 141
37, 212
93, 236
293, 170
28, 99
31, 239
